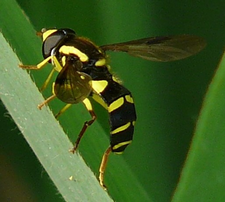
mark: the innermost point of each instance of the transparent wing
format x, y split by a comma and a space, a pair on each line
161, 49
72, 86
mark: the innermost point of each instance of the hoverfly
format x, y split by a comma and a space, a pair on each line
83, 71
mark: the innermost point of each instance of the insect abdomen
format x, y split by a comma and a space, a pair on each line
122, 115
122, 118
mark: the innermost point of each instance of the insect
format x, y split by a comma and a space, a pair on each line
83, 71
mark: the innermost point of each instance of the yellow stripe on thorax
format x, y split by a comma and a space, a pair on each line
100, 62
72, 50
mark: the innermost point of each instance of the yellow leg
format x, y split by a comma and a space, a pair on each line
55, 62
38, 66
46, 101
63, 110
57, 66
103, 167
47, 80
88, 105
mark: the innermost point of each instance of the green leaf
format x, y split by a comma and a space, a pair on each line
203, 177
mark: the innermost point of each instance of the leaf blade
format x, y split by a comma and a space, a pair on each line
203, 176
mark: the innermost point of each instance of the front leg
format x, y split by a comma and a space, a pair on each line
38, 66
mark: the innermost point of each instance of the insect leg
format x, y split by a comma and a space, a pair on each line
38, 66
57, 67
47, 80
103, 167
88, 105
62, 110
49, 98
46, 101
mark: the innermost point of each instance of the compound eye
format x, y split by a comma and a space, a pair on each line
53, 38
50, 43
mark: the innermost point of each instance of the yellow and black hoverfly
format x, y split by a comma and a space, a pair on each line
83, 71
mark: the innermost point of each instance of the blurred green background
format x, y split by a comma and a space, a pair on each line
168, 96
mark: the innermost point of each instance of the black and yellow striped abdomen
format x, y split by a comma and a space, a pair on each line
119, 103
122, 120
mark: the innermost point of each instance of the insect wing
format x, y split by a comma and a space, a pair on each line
161, 49
72, 86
